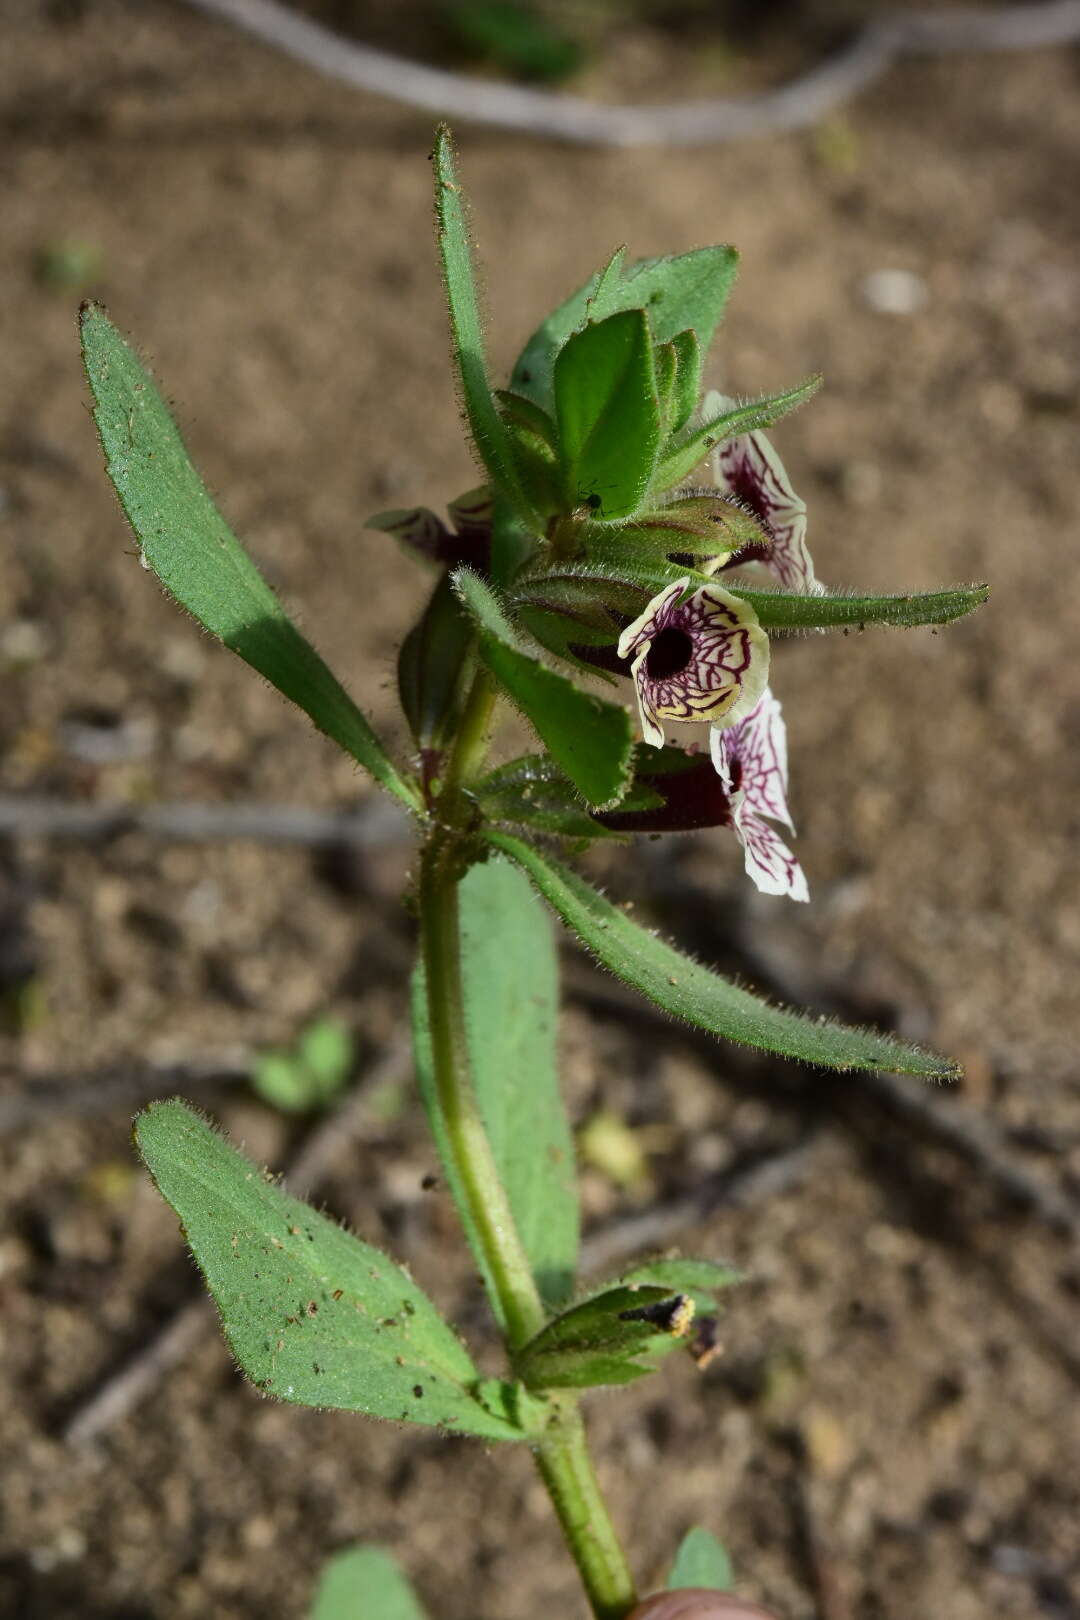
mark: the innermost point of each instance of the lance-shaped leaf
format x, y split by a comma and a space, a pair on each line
686, 291
779, 610
533, 792
509, 975
701, 1562
364, 1583
681, 456
608, 414
687, 990
488, 430
313, 1315
185, 540
590, 738
617, 1335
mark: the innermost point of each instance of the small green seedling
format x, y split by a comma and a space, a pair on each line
310, 1075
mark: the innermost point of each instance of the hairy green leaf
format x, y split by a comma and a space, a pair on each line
682, 292
313, 1315
185, 540
485, 424
590, 738
689, 290
777, 610
687, 990
365, 1583
608, 414
681, 457
701, 1561
510, 990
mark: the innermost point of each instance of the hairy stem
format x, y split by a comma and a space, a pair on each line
566, 1469
562, 1454
485, 1194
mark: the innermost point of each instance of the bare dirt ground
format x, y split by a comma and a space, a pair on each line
892, 1430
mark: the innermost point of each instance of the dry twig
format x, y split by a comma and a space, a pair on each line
944, 1120
803, 101
371, 825
767, 1177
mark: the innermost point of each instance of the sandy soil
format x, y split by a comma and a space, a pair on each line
892, 1430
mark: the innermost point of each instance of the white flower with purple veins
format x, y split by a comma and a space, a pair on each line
705, 658
750, 469
751, 761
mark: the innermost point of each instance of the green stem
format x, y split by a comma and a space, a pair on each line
562, 1454
485, 1195
566, 1468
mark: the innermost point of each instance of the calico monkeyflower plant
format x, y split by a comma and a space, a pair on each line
586, 555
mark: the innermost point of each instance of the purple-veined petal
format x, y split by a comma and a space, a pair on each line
751, 758
751, 761
749, 468
767, 859
705, 658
